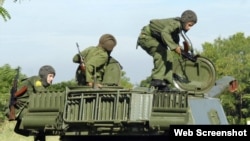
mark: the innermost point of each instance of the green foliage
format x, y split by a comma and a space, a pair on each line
4, 13
228, 102
146, 82
7, 78
5, 85
125, 81
230, 56
62, 85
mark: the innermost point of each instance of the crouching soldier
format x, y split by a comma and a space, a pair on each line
29, 85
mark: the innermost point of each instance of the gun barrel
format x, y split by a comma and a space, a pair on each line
79, 52
220, 85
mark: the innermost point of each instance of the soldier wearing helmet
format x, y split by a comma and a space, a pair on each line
47, 74
159, 39
107, 42
96, 59
27, 86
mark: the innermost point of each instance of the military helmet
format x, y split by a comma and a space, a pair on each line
189, 16
43, 73
107, 41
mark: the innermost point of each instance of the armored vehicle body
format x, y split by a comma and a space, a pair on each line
83, 111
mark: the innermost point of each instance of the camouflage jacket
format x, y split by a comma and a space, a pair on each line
166, 31
33, 84
95, 59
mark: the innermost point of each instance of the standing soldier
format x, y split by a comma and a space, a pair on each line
159, 38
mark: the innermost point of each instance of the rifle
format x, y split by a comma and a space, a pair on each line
12, 115
185, 52
81, 65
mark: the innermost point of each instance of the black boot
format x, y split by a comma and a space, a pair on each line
161, 85
158, 83
164, 88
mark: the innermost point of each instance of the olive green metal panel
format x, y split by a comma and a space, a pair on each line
197, 77
46, 101
164, 121
169, 108
40, 120
44, 111
170, 100
141, 106
96, 105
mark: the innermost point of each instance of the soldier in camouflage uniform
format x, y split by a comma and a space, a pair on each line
159, 39
96, 59
30, 85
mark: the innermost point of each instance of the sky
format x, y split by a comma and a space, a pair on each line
45, 32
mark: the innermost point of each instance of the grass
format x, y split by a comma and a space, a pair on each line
7, 133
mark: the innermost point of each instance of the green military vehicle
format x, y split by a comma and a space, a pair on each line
80, 112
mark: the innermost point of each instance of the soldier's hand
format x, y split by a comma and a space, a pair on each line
178, 50
91, 84
82, 67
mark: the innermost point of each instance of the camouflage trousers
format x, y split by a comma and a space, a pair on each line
162, 56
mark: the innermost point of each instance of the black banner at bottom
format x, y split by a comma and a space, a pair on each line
209, 131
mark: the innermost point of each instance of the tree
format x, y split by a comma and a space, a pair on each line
230, 57
6, 79
125, 81
7, 76
3, 12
